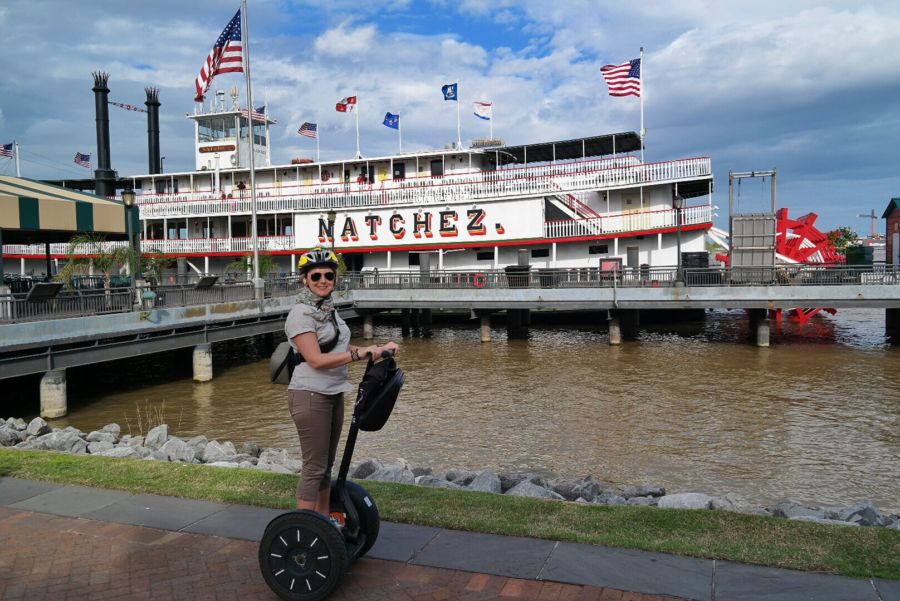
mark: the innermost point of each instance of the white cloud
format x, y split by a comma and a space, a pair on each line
343, 41
751, 84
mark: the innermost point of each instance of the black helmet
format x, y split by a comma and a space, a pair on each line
317, 257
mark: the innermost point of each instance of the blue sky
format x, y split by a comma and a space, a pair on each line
808, 88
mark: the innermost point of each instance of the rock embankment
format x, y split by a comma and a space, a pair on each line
160, 445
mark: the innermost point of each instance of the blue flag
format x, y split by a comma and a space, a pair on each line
392, 121
450, 91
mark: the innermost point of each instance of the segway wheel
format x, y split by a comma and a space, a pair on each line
302, 556
369, 520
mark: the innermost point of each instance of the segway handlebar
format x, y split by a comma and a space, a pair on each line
384, 354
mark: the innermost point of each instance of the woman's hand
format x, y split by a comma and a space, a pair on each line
375, 350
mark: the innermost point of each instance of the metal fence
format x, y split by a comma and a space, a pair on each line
89, 301
643, 277
75, 303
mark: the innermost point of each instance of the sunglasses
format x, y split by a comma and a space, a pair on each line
329, 275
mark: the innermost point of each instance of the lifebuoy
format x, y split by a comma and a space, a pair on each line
479, 280
326, 175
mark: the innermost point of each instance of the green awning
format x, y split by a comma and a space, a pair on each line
32, 211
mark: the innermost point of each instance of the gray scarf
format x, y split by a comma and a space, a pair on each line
324, 307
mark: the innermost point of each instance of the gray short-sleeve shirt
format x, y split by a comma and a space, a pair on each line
304, 318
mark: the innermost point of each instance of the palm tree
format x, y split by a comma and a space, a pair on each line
267, 265
87, 250
155, 264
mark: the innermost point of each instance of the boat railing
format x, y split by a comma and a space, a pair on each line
184, 245
611, 223
488, 185
629, 221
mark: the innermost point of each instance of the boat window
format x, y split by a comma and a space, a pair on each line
204, 133
177, 229
265, 226
414, 259
285, 225
244, 131
240, 228
399, 170
155, 230
229, 128
598, 249
437, 168
210, 130
485, 256
538, 253
259, 134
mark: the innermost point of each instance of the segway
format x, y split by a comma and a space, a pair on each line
303, 555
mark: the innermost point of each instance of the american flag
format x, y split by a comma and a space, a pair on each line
6, 150
83, 159
226, 57
310, 130
127, 107
624, 79
346, 105
257, 115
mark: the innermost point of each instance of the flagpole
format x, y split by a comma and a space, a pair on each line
643, 132
400, 134
491, 122
358, 153
258, 284
317, 151
16, 149
458, 131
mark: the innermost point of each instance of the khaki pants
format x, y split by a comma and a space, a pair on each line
318, 418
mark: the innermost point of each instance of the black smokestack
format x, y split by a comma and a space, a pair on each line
104, 176
153, 152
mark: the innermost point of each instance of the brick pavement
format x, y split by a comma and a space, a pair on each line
46, 557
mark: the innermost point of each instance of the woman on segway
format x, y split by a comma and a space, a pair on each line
317, 386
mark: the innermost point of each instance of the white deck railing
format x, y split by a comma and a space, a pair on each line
480, 186
632, 221
174, 247
613, 223
217, 245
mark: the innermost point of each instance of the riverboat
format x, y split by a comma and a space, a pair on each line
588, 202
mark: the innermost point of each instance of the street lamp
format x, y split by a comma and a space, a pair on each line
331, 217
678, 204
128, 201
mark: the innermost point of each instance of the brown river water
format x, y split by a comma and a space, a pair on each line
814, 418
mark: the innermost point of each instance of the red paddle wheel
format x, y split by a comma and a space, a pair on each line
799, 241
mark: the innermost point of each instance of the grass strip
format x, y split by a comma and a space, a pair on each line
777, 542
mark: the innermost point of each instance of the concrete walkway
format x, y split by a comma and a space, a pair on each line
73, 542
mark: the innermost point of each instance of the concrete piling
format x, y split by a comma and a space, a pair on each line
615, 329
53, 394
368, 327
203, 363
759, 327
406, 321
485, 327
